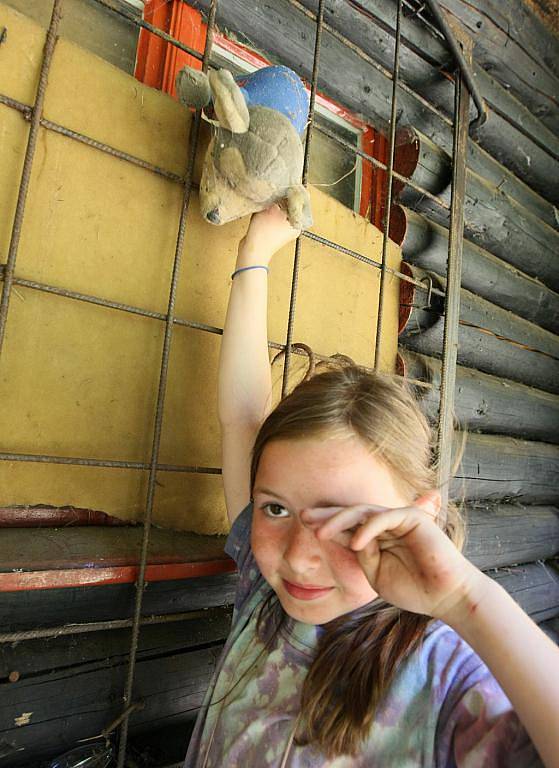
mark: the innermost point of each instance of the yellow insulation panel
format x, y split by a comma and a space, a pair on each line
80, 380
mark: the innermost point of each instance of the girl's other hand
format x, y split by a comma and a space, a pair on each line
268, 231
408, 560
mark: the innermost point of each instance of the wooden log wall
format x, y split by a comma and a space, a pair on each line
509, 352
507, 391
490, 339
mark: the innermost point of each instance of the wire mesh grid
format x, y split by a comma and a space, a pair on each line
9, 278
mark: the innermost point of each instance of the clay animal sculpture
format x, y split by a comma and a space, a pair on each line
255, 156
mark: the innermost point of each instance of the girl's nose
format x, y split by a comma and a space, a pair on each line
302, 551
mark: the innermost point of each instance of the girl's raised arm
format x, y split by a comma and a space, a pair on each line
244, 379
412, 564
524, 661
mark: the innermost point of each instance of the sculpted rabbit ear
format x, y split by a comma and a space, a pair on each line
193, 88
228, 101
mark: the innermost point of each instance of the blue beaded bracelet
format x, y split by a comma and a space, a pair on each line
244, 269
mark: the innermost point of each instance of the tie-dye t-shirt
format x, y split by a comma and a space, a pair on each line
443, 709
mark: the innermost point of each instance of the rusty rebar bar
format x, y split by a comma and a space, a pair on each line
96, 626
36, 111
389, 179
454, 274
142, 24
308, 139
194, 135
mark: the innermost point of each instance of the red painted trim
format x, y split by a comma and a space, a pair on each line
81, 577
43, 516
187, 26
150, 56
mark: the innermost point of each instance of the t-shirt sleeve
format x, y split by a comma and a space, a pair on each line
239, 548
480, 729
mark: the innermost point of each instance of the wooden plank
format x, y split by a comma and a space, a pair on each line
31, 657
535, 587
426, 245
47, 712
498, 468
491, 340
509, 534
488, 404
512, 134
74, 547
47, 608
80, 577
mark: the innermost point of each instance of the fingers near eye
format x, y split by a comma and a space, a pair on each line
394, 523
346, 519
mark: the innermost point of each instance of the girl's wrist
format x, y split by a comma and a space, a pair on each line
477, 592
249, 256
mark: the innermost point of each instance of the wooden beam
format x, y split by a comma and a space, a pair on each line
512, 134
509, 534
490, 339
493, 221
42, 549
486, 403
426, 244
534, 586
498, 468
20, 610
518, 51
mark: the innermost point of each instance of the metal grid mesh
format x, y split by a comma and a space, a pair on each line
7, 271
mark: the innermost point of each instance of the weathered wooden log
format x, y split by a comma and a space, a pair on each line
518, 51
511, 133
432, 48
22, 610
490, 339
491, 219
551, 628
535, 588
286, 34
486, 403
426, 246
72, 689
498, 468
510, 534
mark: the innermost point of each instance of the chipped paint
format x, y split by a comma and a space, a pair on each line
23, 719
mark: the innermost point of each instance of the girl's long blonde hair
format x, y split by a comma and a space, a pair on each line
359, 653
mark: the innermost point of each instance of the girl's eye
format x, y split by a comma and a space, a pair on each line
275, 510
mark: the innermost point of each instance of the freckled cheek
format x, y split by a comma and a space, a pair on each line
268, 543
345, 568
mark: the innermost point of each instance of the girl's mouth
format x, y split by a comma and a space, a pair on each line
305, 593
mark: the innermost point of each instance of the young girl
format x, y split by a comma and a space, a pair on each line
357, 621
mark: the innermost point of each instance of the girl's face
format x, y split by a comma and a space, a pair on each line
316, 581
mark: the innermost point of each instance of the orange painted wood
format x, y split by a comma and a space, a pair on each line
187, 26
80, 577
150, 56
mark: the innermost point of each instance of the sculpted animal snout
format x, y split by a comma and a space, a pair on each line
213, 216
